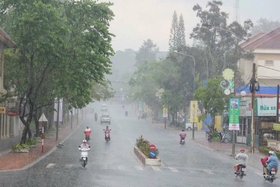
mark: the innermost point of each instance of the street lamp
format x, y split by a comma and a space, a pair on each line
194, 65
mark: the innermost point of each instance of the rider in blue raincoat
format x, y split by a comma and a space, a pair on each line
272, 162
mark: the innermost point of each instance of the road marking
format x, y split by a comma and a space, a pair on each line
50, 165
68, 166
130, 140
156, 168
208, 171
259, 173
119, 126
173, 169
138, 168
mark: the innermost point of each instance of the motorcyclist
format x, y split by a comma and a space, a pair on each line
272, 162
182, 135
242, 157
95, 116
264, 160
107, 130
87, 133
84, 145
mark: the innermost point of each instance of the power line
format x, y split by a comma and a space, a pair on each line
269, 68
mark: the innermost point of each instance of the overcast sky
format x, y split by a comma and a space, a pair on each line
139, 20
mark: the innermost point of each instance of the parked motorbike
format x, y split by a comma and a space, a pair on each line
182, 141
224, 137
209, 136
271, 175
240, 171
84, 156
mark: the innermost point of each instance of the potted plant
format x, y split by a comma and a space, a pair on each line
21, 148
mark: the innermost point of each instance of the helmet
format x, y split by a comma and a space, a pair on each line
242, 150
87, 126
84, 141
107, 127
183, 129
270, 152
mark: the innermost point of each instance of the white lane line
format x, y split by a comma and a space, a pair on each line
173, 169
156, 168
50, 165
208, 171
68, 166
119, 126
259, 173
138, 168
130, 140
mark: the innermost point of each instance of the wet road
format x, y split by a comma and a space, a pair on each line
114, 164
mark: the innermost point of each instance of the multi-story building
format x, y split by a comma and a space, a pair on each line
266, 50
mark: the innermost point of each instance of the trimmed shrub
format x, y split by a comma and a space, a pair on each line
144, 146
20, 146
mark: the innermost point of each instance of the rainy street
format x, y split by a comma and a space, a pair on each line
114, 164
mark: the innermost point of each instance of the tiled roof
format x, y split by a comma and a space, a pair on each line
270, 40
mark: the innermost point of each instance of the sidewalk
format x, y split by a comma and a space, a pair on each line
227, 149
223, 148
10, 160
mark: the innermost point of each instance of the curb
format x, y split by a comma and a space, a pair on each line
43, 156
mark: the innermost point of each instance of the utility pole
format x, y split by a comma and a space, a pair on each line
277, 105
253, 91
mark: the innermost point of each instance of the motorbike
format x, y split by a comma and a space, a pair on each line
84, 156
126, 113
209, 136
95, 117
87, 138
271, 175
240, 171
182, 141
107, 135
224, 137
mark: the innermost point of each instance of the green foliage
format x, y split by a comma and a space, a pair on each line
220, 39
62, 50
144, 146
20, 146
265, 25
147, 52
31, 141
265, 151
212, 97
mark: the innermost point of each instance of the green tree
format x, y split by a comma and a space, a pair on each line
181, 40
177, 39
264, 25
220, 39
61, 50
173, 32
147, 52
212, 98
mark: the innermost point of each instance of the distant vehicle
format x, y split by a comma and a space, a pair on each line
104, 107
105, 118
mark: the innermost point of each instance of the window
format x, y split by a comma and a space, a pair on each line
269, 63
